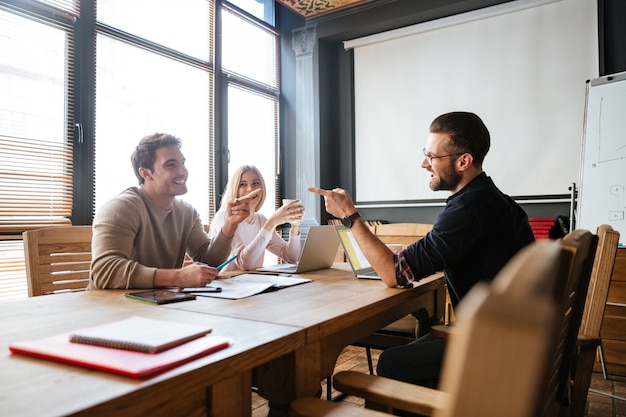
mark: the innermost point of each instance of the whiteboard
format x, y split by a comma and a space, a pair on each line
602, 190
522, 71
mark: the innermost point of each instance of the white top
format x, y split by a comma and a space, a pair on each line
251, 241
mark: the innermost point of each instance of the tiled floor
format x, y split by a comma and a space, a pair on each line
598, 405
603, 405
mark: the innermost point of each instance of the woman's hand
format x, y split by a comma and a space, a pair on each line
290, 212
237, 210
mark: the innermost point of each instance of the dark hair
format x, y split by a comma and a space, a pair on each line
145, 153
467, 133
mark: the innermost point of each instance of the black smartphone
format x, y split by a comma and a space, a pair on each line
160, 296
200, 289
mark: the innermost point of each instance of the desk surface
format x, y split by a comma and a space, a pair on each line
291, 336
34, 387
332, 302
336, 309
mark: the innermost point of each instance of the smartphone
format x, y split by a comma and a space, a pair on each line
201, 289
160, 296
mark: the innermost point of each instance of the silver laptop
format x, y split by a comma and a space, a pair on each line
356, 257
319, 252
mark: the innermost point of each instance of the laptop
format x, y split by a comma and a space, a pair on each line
356, 257
319, 252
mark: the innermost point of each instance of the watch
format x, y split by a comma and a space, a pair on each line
348, 221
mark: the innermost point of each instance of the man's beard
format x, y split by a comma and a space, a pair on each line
447, 180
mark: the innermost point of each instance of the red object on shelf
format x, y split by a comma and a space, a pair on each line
541, 226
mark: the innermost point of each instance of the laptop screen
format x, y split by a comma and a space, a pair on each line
353, 251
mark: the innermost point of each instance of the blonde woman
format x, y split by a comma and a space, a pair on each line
257, 233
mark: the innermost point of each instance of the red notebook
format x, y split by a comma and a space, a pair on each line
118, 361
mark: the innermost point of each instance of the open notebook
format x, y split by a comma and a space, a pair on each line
356, 258
318, 252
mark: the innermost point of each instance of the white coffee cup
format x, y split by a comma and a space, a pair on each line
287, 201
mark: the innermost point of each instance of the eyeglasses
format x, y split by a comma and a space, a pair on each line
430, 158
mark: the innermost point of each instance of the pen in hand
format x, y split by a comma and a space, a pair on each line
226, 262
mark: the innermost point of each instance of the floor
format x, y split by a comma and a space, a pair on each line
354, 358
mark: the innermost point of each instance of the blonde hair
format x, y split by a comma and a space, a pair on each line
233, 185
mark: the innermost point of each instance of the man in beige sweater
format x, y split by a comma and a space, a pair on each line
140, 237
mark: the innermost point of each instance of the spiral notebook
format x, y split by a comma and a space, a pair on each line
140, 334
129, 363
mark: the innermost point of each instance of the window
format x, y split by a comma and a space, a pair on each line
253, 142
36, 132
261, 9
79, 90
250, 60
249, 49
153, 75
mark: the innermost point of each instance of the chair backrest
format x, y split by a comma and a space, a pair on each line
499, 353
539, 390
571, 293
591, 323
401, 233
57, 258
598, 291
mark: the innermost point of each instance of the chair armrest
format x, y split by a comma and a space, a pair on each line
441, 331
588, 341
388, 393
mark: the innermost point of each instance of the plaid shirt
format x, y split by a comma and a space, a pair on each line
404, 275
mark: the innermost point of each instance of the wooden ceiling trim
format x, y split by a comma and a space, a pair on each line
314, 8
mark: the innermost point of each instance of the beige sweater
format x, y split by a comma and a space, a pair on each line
132, 237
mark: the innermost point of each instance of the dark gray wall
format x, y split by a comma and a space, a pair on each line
335, 94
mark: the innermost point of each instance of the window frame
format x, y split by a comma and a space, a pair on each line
80, 119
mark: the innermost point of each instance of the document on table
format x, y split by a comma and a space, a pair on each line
246, 285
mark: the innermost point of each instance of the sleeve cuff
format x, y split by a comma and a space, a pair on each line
404, 275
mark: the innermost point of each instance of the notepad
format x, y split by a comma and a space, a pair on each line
118, 361
139, 334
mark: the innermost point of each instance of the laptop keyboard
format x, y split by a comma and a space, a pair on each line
285, 267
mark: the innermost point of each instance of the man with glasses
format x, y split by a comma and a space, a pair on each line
475, 235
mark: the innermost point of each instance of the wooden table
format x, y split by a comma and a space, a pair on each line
335, 310
291, 337
217, 385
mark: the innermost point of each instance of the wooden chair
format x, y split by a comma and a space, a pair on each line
57, 259
582, 246
406, 329
589, 341
497, 357
578, 250
401, 233
405, 234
